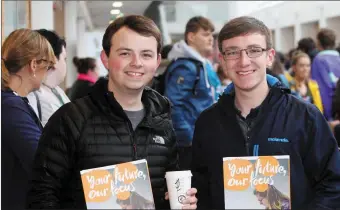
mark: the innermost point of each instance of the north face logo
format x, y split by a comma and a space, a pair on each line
158, 140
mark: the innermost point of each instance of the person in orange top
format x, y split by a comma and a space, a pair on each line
301, 84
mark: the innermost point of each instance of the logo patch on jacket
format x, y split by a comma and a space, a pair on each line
158, 140
180, 80
278, 140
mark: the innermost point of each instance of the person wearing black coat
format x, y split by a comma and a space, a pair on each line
121, 120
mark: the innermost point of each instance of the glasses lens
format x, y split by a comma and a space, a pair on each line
254, 52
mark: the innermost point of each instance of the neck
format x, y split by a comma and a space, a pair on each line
300, 80
245, 101
201, 53
19, 86
129, 100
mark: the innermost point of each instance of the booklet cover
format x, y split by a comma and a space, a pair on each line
257, 182
121, 186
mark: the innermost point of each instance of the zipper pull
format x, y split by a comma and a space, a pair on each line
134, 151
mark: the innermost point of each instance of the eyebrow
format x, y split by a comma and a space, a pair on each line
130, 50
235, 48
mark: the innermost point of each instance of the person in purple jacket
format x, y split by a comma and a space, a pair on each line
326, 69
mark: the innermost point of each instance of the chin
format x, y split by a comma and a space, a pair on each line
249, 86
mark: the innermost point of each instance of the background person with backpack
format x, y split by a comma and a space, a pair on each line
186, 82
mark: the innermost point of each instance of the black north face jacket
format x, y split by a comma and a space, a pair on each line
94, 131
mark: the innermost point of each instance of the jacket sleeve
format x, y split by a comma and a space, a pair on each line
21, 134
178, 88
53, 161
321, 164
199, 166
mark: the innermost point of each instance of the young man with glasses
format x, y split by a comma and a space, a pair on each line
255, 109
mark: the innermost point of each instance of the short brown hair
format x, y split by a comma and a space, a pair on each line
241, 26
326, 38
140, 24
197, 23
19, 49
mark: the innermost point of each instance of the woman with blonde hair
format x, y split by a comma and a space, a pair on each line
302, 84
26, 56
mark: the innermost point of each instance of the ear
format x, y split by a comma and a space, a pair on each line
104, 59
191, 37
270, 56
159, 59
221, 59
33, 65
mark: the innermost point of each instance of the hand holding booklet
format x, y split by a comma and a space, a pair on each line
261, 182
121, 186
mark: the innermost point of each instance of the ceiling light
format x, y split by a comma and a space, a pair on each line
115, 12
117, 4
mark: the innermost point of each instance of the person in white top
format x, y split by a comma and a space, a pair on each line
50, 97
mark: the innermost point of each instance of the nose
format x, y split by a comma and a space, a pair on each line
244, 59
136, 61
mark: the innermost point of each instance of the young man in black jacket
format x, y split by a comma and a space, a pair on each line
255, 109
120, 121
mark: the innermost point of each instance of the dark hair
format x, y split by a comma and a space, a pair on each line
241, 26
84, 64
278, 67
140, 24
326, 38
306, 45
55, 41
279, 55
197, 23
165, 51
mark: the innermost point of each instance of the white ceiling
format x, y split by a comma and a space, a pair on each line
100, 10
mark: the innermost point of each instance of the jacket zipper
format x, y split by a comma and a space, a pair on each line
247, 140
132, 138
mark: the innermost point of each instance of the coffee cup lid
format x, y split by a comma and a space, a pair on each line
177, 174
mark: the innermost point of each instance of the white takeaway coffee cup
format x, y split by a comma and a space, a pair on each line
178, 182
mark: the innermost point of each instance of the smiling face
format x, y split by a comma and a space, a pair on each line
132, 62
247, 73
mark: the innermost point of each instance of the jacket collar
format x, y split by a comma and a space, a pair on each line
329, 52
155, 105
272, 81
226, 101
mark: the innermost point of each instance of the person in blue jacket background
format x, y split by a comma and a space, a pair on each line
257, 116
25, 58
187, 82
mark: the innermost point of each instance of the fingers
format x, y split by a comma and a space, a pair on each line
193, 206
192, 192
166, 196
190, 200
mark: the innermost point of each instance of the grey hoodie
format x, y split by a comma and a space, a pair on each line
182, 50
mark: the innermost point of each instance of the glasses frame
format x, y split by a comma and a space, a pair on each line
247, 52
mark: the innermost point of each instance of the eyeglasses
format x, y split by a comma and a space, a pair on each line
49, 67
252, 52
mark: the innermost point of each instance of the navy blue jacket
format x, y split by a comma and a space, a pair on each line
308, 140
20, 132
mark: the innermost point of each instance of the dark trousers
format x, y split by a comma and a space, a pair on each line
185, 156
